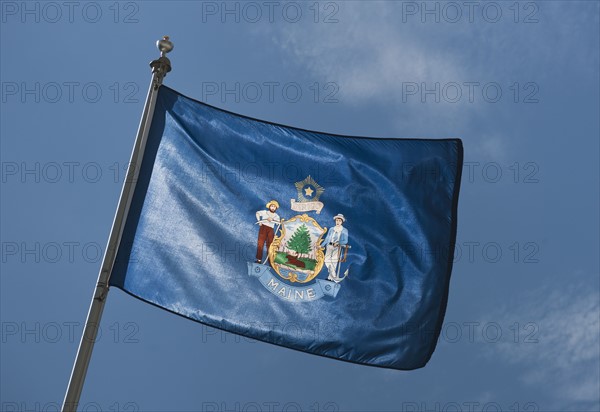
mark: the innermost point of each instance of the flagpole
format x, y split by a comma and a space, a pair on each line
160, 68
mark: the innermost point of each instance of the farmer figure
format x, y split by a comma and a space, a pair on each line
267, 219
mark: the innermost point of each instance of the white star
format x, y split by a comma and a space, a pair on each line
308, 191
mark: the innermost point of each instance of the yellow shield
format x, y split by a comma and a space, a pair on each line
296, 254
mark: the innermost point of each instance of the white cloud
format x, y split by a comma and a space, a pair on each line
368, 53
565, 360
488, 147
375, 51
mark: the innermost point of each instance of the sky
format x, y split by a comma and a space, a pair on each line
518, 82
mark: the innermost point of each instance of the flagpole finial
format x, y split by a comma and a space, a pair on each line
162, 65
164, 46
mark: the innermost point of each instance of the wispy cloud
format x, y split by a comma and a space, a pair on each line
565, 360
376, 51
367, 52
489, 148
376, 46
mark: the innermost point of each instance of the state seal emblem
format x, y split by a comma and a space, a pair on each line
296, 254
299, 248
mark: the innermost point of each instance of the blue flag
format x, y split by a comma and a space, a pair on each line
334, 245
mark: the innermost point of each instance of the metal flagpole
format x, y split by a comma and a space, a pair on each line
160, 68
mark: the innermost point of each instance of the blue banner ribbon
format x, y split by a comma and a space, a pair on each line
288, 292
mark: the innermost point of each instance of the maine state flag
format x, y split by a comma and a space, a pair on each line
333, 245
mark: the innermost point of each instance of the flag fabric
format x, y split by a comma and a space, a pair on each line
333, 245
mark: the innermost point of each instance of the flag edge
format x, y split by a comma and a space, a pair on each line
267, 341
417, 139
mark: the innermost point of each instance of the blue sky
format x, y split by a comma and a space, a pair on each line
517, 81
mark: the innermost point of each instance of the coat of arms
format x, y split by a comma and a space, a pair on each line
299, 248
296, 254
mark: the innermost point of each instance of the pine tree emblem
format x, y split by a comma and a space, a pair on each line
300, 241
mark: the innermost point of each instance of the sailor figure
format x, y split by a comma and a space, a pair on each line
267, 219
336, 238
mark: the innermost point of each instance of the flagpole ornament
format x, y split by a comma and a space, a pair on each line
164, 46
160, 68
162, 65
